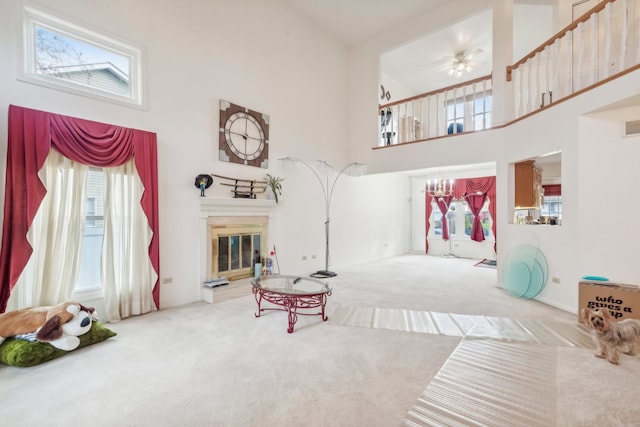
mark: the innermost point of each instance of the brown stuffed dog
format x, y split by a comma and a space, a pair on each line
48, 323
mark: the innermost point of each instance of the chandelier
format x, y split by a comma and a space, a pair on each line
439, 188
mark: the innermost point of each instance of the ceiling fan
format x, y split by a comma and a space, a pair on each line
462, 62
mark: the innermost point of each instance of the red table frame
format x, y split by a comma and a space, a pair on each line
291, 303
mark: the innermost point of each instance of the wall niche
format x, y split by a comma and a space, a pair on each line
538, 190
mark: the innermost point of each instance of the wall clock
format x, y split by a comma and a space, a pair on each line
244, 135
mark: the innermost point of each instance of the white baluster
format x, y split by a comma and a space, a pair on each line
485, 123
568, 55
464, 113
624, 49
517, 88
578, 50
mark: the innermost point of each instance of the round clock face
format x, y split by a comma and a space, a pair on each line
244, 135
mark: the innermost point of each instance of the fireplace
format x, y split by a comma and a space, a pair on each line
236, 243
233, 233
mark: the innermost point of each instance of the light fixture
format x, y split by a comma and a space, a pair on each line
462, 63
439, 188
327, 190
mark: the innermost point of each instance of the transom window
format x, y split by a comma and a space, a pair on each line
65, 56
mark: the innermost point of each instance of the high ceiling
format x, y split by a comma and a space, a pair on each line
420, 65
354, 21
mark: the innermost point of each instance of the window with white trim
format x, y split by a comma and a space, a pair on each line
459, 214
474, 109
65, 56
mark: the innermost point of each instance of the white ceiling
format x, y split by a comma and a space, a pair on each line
355, 21
422, 64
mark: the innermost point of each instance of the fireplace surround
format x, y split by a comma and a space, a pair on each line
238, 222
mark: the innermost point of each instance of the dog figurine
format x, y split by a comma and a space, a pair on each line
612, 337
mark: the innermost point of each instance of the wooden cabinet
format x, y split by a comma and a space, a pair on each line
528, 185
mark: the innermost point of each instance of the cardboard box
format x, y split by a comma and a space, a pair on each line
623, 301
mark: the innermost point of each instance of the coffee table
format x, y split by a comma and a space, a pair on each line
291, 294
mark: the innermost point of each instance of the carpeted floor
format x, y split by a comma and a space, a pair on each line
217, 365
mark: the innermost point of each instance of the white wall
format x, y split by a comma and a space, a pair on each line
593, 156
608, 196
323, 100
572, 250
262, 55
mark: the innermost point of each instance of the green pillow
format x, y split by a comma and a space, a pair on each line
29, 353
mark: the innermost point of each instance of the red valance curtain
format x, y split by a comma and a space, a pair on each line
552, 190
468, 189
31, 135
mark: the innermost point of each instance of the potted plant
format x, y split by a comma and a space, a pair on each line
275, 184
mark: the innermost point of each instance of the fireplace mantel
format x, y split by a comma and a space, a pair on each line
210, 206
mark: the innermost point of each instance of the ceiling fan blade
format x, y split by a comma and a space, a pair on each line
474, 53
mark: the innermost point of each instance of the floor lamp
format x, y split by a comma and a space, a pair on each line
327, 190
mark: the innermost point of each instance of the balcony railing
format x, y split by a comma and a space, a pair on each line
454, 109
600, 45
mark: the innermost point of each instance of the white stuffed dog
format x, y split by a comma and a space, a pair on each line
60, 325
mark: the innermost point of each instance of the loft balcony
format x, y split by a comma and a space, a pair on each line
601, 45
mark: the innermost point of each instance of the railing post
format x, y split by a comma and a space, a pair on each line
502, 89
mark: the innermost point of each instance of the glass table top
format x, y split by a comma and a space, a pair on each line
291, 285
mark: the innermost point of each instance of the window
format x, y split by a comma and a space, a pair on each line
90, 277
481, 115
459, 214
65, 56
485, 218
437, 221
552, 208
475, 109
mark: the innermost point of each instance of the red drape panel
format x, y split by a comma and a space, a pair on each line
443, 204
31, 134
428, 208
476, 202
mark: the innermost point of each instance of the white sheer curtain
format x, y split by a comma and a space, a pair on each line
127, 273
55, 236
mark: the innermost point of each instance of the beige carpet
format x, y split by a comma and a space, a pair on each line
217, 365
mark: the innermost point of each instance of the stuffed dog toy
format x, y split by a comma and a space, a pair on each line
60, 325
